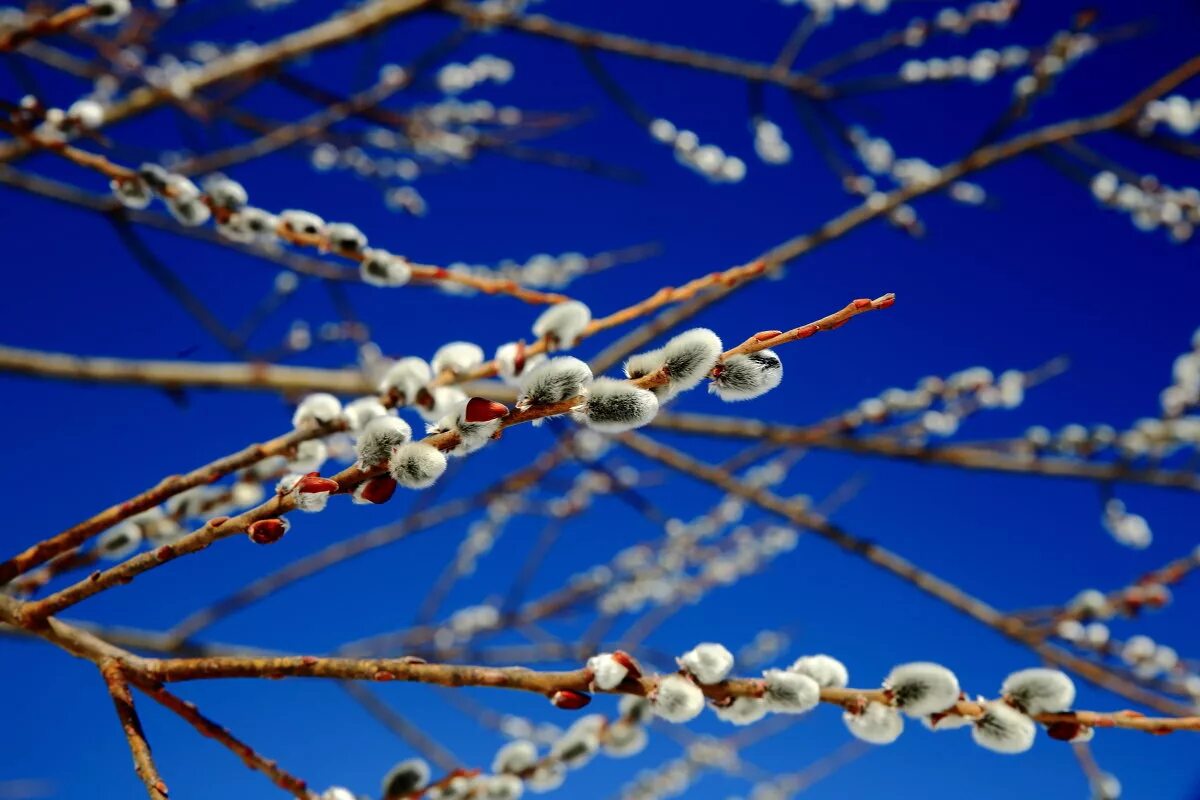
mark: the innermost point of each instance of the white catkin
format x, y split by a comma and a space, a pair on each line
516, 756
416, 465
310, 502
321, 408
554, 381
405, 778
380, 436
381, 268
345, 237
562, 323
640, 365
1004, 729
445, 400
309, 456
302, 222
501, 787
827, 671
877, 724
922, 688
746, 376
688, 358
457, 358
677, 699
742, 710
708, 663
546, 778
506, 363
790, 692
117, 543
472, 436
1039, 691
405, 378
607, 672
614, 406
623, 739
361, 411
633, 708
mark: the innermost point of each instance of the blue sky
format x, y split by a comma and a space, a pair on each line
1038, 272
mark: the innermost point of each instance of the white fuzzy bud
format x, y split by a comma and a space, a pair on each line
132, 193
827, 671
708, 663
405, 778
677, 699
345, 238
358, 413
309, 456
790, 692
744, 377
117, 543
457, 358
405, 378
614, 406
310, 502
877, 724
562, 324
87, 114
742, 710
607, 671
576, 747
515, 757
1039, 691
690, 356
379, 437
554, 381
445, 399
109, 12
416, 466
500, 787
922, 688
1003, 729
547, 777
304, 223
633, 708
320, 408
381, 268
225, 192
513, 364
623, 739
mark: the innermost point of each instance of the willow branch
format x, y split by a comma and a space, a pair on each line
61, 21
206, 727
968, 457
900, 567
143, 763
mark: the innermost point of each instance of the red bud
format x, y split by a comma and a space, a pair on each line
886, 302
519, 358
862, 302
570, 699
763, 336
627, 661
376, 490
267, 531
480, 409
313, 484
1063, 731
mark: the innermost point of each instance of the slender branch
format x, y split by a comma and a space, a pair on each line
61, 21
969, 457
249, 756
122, 699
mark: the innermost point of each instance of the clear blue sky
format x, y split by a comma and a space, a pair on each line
1038, 272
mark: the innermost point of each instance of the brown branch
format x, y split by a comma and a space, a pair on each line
969, 457
143, 763
540, 25
546, 683
336, 30
900, 567
206, 727
167, 487
63, 20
